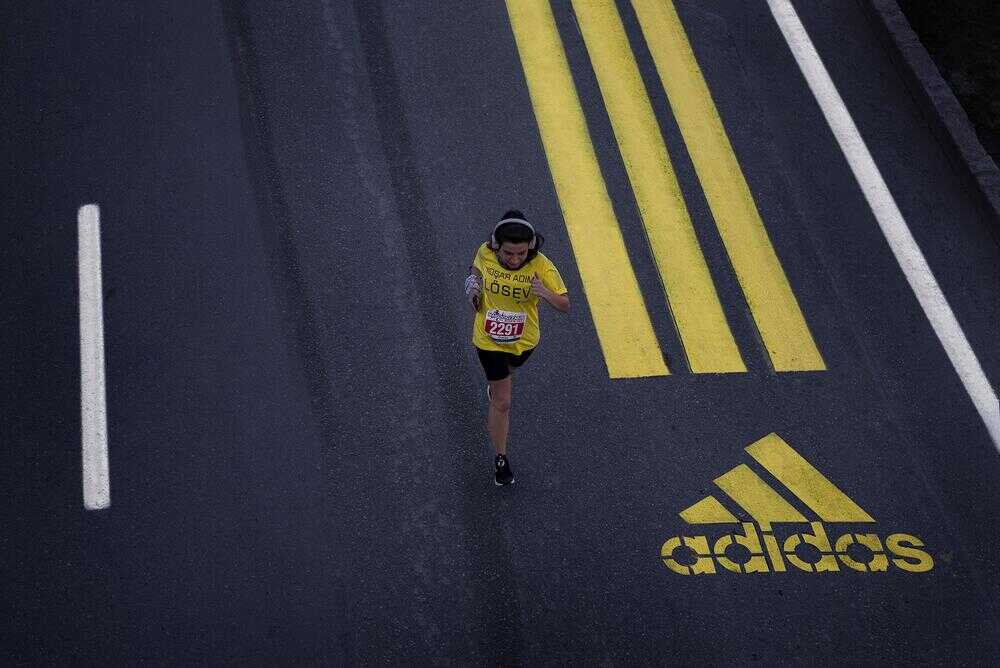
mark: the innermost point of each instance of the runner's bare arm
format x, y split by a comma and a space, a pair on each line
558, 302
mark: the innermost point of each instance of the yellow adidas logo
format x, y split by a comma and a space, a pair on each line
762, 551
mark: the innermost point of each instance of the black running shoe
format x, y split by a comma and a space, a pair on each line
503, 474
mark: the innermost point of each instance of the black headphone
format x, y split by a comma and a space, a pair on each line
536, 239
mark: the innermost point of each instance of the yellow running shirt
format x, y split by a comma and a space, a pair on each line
507, 319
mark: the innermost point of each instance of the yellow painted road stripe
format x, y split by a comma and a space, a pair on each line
746, 488
805, 482
775, 310
620, 317
694, 303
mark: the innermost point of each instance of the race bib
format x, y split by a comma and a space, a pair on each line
505, 326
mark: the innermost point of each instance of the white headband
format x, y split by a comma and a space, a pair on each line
513, 220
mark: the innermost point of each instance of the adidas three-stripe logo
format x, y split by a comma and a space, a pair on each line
758, 550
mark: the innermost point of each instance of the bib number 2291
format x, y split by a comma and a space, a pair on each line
505, 326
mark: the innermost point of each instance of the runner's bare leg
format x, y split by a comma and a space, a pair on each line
498, 415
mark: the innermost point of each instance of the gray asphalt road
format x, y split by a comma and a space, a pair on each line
299, 468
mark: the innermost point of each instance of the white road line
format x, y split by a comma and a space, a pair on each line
896, 232
93, 407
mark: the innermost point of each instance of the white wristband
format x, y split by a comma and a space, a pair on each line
472, 284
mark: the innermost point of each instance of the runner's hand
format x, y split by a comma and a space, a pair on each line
538, 288
473, 290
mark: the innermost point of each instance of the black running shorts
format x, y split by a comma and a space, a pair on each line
497, 365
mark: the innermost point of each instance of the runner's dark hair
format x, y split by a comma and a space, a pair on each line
514, 233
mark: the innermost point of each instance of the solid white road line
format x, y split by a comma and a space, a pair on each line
894, 227
93, 407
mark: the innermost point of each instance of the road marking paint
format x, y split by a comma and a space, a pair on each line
694, 303
890, 219
708, 511
623, 326
772, 303
805, 481
93, 406
765, 551
755, 496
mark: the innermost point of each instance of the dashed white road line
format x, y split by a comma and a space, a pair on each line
93, 404
894, 227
